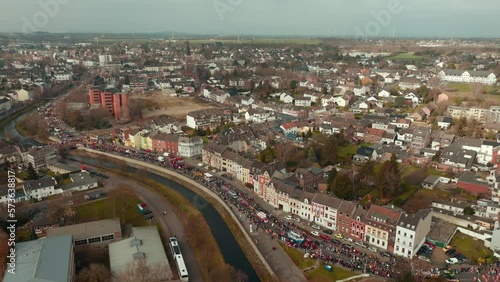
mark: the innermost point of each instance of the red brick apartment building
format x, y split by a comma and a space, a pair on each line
111, 99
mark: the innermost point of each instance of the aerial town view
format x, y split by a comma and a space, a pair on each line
246, 141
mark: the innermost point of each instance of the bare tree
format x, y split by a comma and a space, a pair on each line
140, 271
95, 273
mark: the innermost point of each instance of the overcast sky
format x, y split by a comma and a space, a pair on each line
420, 18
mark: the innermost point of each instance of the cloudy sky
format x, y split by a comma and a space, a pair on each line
414, 18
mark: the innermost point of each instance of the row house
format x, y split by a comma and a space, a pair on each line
478, 114
468, 76
165, 143
381, 225
190, 146
325, 209
411, 232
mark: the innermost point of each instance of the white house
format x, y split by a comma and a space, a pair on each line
324, 209
384, 94
411, 231
81, 181
189, 146
303, 102
286, 98
40, 188
5, 104
484, 77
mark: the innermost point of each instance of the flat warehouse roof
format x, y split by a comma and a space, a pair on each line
88, 229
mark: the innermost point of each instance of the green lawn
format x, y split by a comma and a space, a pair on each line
405, 57
297, 257
321, 274
112, 207
492, 90
470, 247
461, 87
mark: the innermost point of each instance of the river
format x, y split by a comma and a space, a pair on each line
13, 135
230, 249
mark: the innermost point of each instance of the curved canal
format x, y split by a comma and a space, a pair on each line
231, 251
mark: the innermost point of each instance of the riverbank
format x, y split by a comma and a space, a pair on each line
5, 121
260, 265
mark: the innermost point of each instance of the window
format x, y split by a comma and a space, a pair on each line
81, 242
411, 236
108, 237
383, 243
399, 232
94, 240
397, 248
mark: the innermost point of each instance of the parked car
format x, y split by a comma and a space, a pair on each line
339, 236
348, 247
445, 249
288, 217
329, 232
451, 261
335, 242
424, 258
296, 219
373, 249
432, 246
315, 233
348, 239
316, 227
386, 254
324, 237
450, 252
361, 244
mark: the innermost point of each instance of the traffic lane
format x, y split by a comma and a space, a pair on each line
169, 222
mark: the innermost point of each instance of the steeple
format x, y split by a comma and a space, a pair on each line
188, 50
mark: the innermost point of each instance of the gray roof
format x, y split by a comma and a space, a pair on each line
43, 260
88, 229
39, 183
144, 243
79, 179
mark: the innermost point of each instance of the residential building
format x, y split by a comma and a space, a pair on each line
411, 231
111, 99
41, 157
421, 138
325, 209
478, 114
310, 177
381, 225
468, 76
80, 181
190, 146
45, 259
5, 104
204, 119
165, 143
365, 154
25, 95
40, 188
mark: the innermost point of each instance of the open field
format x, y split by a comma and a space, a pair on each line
125, 208
270, 41
461, 91
470, 247
157, 104
405, 57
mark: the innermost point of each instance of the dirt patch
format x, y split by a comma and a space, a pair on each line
157, 104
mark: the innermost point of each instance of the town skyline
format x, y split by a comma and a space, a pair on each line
338, 18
